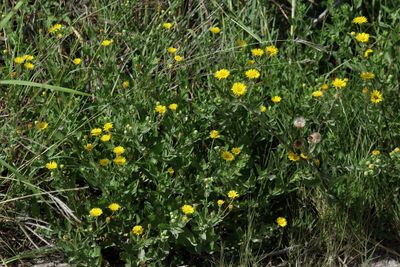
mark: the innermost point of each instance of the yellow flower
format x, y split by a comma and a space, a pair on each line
77, 61
105, 138
172, 50
375, 152
96, 132
242, 43
137, 230
56, 27
362, 37
317, 94
276, 99
252, 74
220, 202
119, 150
120, 160
28, 57
222, 74
367, 52
170, 171
95, 212
19, 60
125, 84
324, 87
238, 89
108, 219
228, 156
167, 25
107, 126
173, 106
232, 194
257, 52
365, 75
114, 207
29, 66
214, 134
215, 30
293, 156
106, 42
303, 156
250, 62
272, 50
360, 20
178, 58
104, 162
41, 125
89, 147
187, 209
52, 165
376, 97
281, 221
161, 109
339, 83
263, 109
236, 151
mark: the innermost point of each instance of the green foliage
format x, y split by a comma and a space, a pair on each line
319, 174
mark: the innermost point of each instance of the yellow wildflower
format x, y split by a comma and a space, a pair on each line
215, 30
232, 194
272, 50
257, 52
187, 209
77, 61
252, 74
293, 156
263, 109
360, 20
89, 147
228, 156
367, 52
105, 138
96, 132
29, 66
41, 125
120, 160
52, 165
214, 134
119, 150
106, 42
362, 37
236, 151
276, 99
170, 171
96, 212
173, 106
365, 75
339, 83
238, 89
178, 58
107, 126
125, 84
114, 207
222, 74
160, 109
104, 162
281, 221
376, 97
137, 230
172, 50
167, 25
220, 202
317, 94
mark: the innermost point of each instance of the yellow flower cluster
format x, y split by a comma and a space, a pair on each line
27, 59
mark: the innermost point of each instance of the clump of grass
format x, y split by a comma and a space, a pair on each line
238, 133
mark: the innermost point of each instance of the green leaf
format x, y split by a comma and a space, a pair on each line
7, 18
43, 85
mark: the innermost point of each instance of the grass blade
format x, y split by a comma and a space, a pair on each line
7, 18
42, 85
